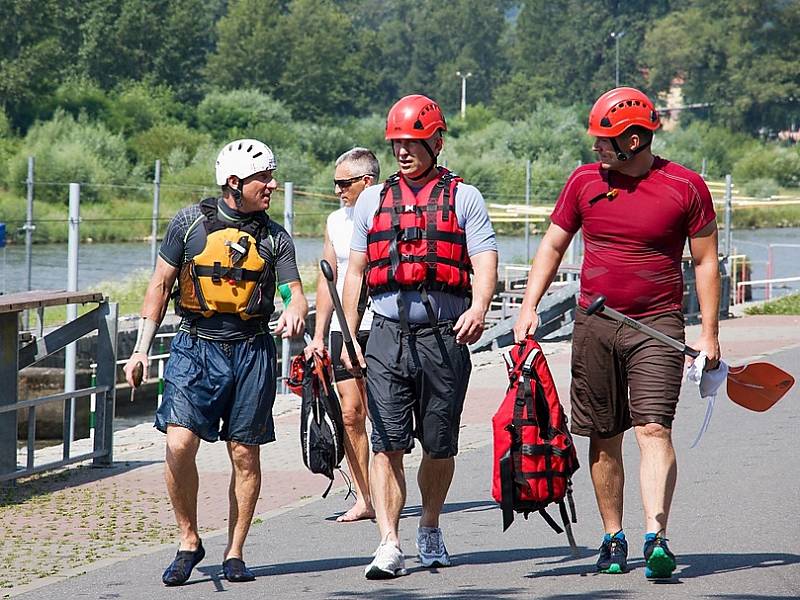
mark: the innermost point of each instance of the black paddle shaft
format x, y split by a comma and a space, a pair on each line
327, 272
598, 306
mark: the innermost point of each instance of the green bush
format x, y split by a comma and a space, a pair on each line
224, 113
550, 131
69, 150
138, 106
689, 145
769, 162
759, 188
79, 95
161, 141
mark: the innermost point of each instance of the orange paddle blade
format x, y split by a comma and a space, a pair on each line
758, 386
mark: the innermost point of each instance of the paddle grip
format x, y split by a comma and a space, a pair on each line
327, 272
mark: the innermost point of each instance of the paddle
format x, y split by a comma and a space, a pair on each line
755, 386
327, 271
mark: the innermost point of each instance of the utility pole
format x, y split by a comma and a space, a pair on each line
617, 35
464, 77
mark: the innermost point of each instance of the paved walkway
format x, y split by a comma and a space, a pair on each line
108, 532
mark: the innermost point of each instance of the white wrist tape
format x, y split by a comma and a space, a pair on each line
145, 336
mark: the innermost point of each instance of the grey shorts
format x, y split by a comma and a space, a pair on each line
621, 377
340, 373
416, 387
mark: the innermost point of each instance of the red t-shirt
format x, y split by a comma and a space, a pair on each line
634, 240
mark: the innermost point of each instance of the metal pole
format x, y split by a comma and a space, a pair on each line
29, 227
154, 227
728, 214
72, 309
616, 71
288, 225
703, 168
463, 97
527, 214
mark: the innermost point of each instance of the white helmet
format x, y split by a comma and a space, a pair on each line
243, 158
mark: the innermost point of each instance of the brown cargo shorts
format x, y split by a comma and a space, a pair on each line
621, 377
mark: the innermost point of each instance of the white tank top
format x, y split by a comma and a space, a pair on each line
340, 230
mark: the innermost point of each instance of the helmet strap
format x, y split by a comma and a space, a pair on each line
237, 197
623, 156
430, 167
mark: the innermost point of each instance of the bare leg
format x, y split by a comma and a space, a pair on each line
608, 478
434, 477
180, 473
388, 493
243, 494
356, 447
658, 473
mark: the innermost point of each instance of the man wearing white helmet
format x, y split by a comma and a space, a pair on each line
228, 258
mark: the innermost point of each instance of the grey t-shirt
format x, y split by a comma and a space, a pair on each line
186, 238
472, 217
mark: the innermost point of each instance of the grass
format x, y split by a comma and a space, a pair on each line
787, 305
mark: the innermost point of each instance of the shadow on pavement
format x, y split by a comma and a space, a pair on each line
691, 566
29, 487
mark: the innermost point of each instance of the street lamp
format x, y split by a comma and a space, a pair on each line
617, 35
464, 92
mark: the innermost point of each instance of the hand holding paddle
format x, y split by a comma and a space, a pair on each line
755, 386
327, 272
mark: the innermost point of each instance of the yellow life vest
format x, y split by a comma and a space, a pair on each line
228, 275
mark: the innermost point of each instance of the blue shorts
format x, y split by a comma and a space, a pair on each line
208, 381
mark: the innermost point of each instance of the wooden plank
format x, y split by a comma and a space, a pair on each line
41, 298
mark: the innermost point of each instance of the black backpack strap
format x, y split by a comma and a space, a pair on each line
507, 489
550, 521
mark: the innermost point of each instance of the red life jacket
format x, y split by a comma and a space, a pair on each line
415, 241
534, 456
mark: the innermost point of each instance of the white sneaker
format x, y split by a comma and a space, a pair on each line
430, 546
388, 563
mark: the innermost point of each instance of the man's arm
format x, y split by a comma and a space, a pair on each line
356, 266
703, 247
471, 323
292, 321
324, 303
154, 307
543, 270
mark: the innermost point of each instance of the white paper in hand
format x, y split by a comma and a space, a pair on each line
708, 383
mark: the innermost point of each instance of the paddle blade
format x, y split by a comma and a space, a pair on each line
758, 386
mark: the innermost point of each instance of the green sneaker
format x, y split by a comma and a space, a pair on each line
660, 561
613, 554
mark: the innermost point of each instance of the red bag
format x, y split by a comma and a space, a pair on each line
534, 456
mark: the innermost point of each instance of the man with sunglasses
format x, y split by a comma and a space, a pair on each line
356, 169
427, 246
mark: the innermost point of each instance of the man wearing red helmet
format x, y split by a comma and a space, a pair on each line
636, 212
425, 244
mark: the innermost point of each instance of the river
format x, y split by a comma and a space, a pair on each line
116, 261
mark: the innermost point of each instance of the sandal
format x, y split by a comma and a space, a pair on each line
236, 571
179, 571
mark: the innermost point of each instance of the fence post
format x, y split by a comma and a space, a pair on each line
728, 214
29, 227
527, 212
73, 242
288, 225
106, 376
154, 227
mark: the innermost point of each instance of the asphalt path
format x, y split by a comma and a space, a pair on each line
734, 528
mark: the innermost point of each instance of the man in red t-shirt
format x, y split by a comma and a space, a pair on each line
635, 211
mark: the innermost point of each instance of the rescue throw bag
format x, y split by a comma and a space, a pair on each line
534, 455
321, 424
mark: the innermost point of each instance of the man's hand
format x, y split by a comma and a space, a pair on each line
290, 324
470, 326
348, 363
316, 346
136, 357
710, 345
526, 324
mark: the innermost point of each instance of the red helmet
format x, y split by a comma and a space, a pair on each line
414, 117
297, 369
621, 108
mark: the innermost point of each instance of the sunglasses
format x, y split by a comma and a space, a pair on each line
346, 183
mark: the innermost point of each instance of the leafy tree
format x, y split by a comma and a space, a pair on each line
223, 113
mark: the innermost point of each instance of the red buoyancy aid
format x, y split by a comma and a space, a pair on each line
534, 456
415, 241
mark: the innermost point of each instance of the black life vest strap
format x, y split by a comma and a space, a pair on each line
217, 273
